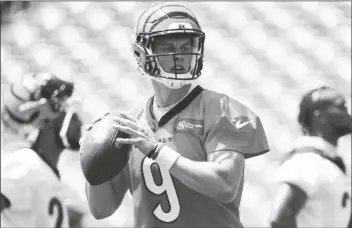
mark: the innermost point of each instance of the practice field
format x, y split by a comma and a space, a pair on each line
266, 55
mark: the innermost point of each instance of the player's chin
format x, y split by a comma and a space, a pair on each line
177, 71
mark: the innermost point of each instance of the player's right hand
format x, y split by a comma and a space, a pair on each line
138, 136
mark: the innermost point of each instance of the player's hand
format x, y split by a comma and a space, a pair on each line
138, 136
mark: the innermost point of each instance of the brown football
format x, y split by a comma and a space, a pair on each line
101, 158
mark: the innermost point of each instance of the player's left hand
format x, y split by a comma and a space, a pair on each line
138, 136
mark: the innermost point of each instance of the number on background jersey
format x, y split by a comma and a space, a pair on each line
345, 198
54, 202
167, 186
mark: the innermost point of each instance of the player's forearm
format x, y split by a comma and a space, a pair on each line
287, 204
105, 199
282, 216
100, 200
208, 178
286, 222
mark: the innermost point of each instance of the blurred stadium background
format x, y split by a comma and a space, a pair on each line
264, 54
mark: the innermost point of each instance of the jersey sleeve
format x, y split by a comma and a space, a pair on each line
229, 125
15, 183
301, 171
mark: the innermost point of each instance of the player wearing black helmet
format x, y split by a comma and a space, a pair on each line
314, 186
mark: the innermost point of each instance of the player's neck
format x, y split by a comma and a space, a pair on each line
165, 96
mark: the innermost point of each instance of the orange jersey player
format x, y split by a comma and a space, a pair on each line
187, 165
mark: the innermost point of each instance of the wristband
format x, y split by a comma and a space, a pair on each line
157, 150
166, 157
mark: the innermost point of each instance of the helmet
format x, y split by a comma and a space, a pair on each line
34, 101
328, 103
168, 20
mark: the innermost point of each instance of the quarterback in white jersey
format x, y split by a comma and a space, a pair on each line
31, 192
315, 189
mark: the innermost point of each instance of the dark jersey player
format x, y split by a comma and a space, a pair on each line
190, 144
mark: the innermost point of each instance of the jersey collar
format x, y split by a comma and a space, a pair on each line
179, 107
318, 143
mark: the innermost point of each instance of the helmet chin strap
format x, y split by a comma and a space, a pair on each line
172, 84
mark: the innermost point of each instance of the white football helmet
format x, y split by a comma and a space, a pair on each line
165, 20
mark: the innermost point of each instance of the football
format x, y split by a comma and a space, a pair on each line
100, 157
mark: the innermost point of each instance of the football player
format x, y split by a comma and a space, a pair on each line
314, 187
31, 192
186, 168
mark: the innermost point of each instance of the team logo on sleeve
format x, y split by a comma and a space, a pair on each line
184, 125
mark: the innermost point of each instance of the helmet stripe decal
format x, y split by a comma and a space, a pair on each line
158, 8
173, 14
20, 121
145, 22
13, 93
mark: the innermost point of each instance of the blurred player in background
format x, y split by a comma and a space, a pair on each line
31, 191
315, 189
8, 12
9, 8
186, 169
12, 139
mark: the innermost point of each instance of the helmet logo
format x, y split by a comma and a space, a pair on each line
180, 26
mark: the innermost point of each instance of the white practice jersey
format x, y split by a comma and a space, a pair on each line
328, 188
34, 191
